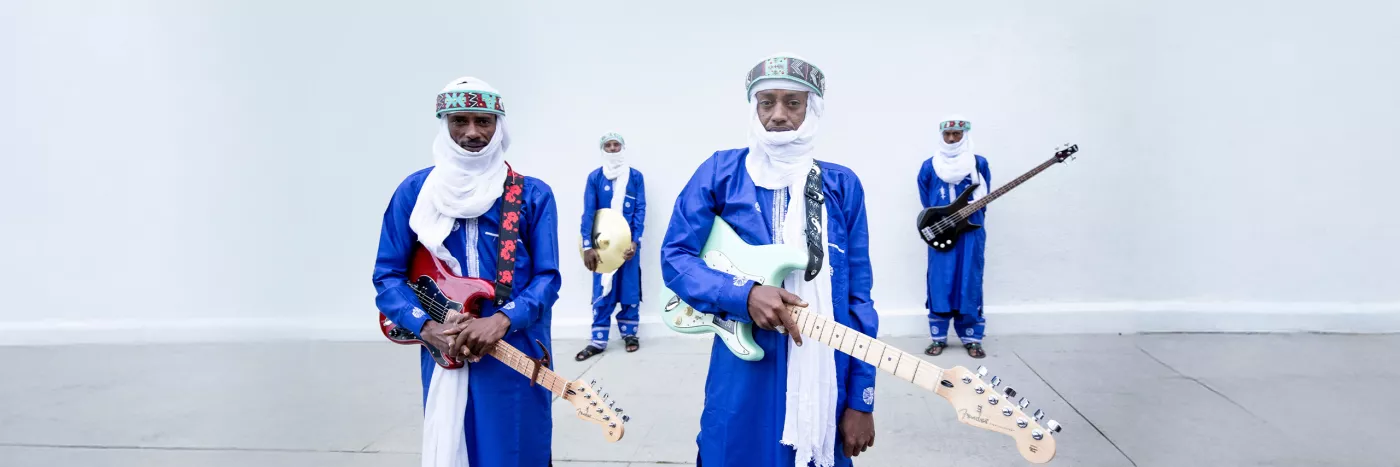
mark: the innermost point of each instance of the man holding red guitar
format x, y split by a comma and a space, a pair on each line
479, 218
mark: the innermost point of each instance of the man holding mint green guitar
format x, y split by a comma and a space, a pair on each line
783, 403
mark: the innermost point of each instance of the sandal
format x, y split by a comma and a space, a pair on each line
974, 349
936, 348
632, 343
588, 352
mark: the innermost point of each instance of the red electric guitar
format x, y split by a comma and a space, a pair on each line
441, 293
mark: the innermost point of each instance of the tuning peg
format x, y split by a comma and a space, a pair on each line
606, 418
626, 419
966, 379
599, 410
979, 389
610, 403
981, 372
618, 410
996, 381
1021, 422
1053, 426
614, 425
1024, 403
1009, 393
993, 399
593, 404
1006, 411
1037, 435
605, 396
592, 382
1039, 414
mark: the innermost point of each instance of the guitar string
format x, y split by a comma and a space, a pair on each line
946, 223
829, 322
425, 301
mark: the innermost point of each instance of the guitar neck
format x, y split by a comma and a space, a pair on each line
868, 349
522, 363
982, 202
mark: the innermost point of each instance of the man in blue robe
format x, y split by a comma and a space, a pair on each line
617, 186
453, 209
955, 277
752, 409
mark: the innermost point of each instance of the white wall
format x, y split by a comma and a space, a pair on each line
206, 169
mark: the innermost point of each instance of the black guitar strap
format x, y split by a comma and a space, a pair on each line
506, 257
816, 252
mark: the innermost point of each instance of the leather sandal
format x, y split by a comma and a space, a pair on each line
632, 343
935, 349
588, 352
974, 349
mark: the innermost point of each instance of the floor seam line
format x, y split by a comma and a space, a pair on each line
1076, 409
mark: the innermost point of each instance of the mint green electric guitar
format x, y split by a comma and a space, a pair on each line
726, 252
975, 402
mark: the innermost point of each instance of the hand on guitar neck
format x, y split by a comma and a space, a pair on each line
771, 308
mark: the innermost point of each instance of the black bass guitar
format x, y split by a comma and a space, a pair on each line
941, 226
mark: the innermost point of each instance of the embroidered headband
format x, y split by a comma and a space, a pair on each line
789, 68
469, 101
611, 137
956, 125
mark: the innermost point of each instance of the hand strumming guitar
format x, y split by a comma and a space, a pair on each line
478, 335
769, 309
857, 431
590, 259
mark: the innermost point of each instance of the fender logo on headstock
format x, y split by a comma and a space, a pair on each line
978, 418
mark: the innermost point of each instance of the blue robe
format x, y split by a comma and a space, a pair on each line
954, 277
627, 281
507, 422
745, 401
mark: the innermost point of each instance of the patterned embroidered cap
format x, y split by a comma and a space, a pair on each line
789, 68
612, 136
955, 125
469, 94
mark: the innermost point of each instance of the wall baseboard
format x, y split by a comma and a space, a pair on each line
1052, 318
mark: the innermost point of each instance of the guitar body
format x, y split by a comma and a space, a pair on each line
439, 293
946, 238
725, 251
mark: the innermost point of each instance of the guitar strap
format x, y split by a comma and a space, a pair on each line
816, 252
506, 257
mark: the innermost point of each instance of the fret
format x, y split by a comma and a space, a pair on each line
862, 350
889, 358
908, 365
805, 321
928, 376
524, 365
847, 343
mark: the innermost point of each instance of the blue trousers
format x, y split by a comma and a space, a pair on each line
602, 319
969, 326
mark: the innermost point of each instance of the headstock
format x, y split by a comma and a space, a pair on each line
1065, 151
594, 406
990, 407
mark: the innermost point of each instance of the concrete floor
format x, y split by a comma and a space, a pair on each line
1144, 400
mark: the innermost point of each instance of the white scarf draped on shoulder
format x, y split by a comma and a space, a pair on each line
462, 185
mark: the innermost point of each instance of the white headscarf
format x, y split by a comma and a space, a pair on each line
463, 184
955, 162
615, 168
614, 163
779, 160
